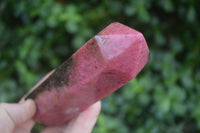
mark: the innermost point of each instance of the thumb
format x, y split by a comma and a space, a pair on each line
12, 115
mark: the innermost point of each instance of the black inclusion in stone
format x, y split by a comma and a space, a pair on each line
62, 74
57, 79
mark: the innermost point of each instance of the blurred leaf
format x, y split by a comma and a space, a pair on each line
191, 16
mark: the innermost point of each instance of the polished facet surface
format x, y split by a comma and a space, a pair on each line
105, 63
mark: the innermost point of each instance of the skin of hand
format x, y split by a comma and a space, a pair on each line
17, 118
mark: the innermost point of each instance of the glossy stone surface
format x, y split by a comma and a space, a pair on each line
105, 63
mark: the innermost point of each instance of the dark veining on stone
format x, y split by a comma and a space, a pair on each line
93, 42
57, 80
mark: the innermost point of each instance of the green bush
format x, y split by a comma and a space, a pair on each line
36, 36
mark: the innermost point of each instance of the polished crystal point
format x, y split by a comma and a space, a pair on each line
105, 63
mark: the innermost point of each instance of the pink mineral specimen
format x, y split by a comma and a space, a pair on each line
105, 63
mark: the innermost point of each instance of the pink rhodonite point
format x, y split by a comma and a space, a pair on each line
105, 63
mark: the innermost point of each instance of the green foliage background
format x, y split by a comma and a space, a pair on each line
38, 35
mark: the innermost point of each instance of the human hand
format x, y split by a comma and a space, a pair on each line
17, 118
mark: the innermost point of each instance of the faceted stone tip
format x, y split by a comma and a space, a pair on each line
116, 39
101, 66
